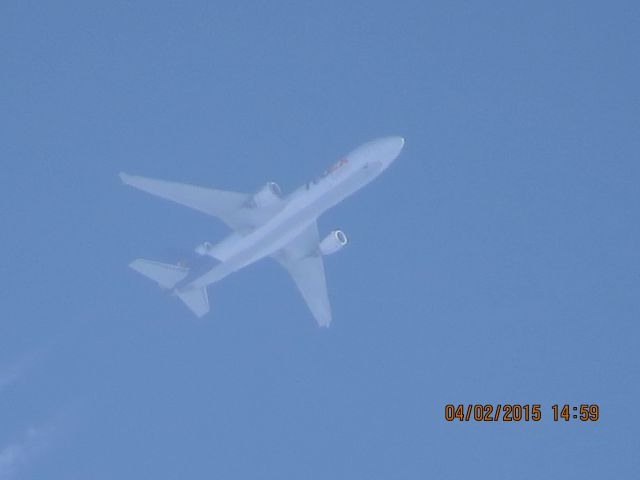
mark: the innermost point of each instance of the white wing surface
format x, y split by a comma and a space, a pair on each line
303, 261
230, 207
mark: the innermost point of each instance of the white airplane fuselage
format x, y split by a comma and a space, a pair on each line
303, 207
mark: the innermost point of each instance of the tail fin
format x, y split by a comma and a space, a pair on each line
164, 274
167, 276
195, 298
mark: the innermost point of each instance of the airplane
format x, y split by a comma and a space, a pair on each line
267, 224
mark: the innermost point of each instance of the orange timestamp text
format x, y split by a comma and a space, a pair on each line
519, 412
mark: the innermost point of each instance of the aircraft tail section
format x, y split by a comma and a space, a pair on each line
168, 276
164, 274
195, 298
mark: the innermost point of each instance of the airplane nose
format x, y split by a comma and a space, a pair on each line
382, 152
394, 145
388, 149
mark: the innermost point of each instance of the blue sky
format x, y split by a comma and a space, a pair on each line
495, 262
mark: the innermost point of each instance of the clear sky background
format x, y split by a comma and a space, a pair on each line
496, 261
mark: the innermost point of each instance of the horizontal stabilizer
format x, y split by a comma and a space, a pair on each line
196, 299
164, 274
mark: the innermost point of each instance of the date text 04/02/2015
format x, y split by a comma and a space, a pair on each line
519, 412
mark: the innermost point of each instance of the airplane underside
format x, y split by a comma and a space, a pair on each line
267, 224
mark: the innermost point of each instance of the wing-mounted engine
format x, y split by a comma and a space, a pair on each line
268, 195
333, 242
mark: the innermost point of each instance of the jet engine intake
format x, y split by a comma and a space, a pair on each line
267, 195
333, 242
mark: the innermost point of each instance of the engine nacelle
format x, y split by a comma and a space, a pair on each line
267, 195
333, 242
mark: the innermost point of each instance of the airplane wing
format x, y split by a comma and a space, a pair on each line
230, 207
303, 260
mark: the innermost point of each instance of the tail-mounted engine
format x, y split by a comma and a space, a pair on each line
267, 195
333, 242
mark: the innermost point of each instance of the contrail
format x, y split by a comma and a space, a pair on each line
17, 454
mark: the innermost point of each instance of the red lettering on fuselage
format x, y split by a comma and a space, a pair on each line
337, 165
